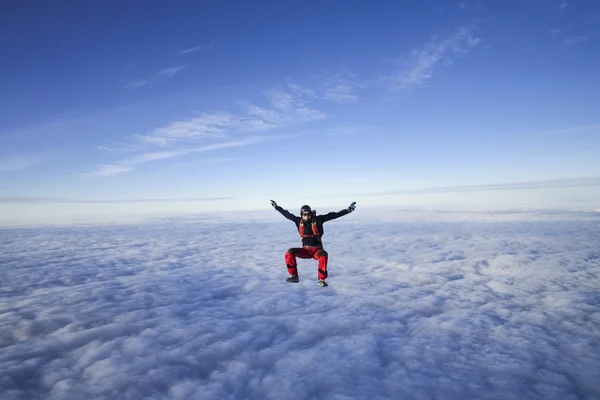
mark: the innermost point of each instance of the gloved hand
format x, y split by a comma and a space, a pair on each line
273, 203
352, 206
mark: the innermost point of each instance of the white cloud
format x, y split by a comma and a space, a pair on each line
107, 170
263, 113
179, 137
293, 107
288, 107
197, 48
128, 164
574, 39
422, 62
172, 71
154, 156
426, 305
208, 125
106, 148
342, 93
166, 73
545, 184
138, 83
301, 90
340, 86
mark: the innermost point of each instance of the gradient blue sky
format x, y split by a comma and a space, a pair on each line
296, 101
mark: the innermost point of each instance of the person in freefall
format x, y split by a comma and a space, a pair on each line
310, 227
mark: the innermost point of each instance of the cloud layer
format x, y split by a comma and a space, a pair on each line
419, 306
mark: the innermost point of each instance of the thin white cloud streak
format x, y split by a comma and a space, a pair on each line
154, 156
289, 109
128, 164
209, 125
177, 137
341, 93
547, 184
292, 107
302, 90
197, 48
138, 83
574, 40
422, 62
109, 170
340, 87
439, 306
172, 71
166, 73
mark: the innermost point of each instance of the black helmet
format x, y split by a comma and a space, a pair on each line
305, 208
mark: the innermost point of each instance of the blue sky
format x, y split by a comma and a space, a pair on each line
298, 101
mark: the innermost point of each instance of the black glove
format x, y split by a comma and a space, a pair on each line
352, 206
273, 203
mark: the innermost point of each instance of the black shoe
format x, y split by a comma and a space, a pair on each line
322, 283
293, 279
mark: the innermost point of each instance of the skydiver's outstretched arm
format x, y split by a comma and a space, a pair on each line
334, 214
284, 212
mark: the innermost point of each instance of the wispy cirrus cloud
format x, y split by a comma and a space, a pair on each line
573, 40
165, 73
197, 48
107, 170
566, 38
213, 125
293, 108
138, 83
546, 184
574, 30
342, 93
129, 164
420, 65
171, 72
341, 87
284, 107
